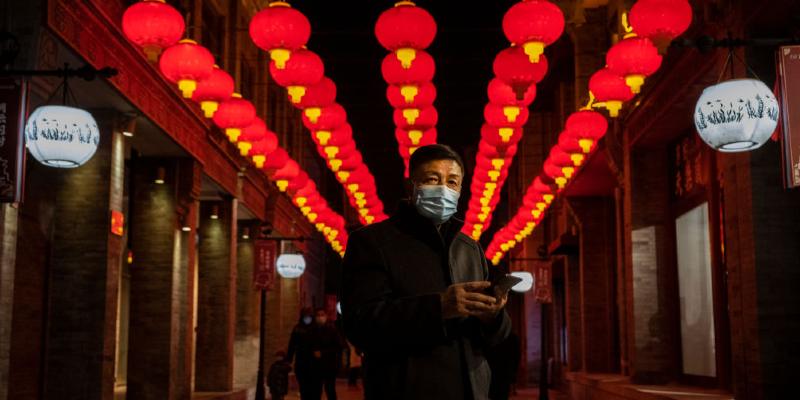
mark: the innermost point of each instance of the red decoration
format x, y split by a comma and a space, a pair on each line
282, 176
153, 25
493, 151
186, 63
415, 118
405, 26
501, 135
263, 148
213, 90
321, 94
502, 93
634, 58
415, 138
280, 30
514, 68
233, 115
532, 25
422, 70
571, 145
276, 160
304, 69
505, 115
330, 117
588, 126
417, 96
661, 20
253, 132
342, 135
610, 89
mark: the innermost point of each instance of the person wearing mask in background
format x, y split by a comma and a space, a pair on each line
415, 293
326, 343
300, 349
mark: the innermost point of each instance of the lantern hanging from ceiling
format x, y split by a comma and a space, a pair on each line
276, 160
588, 126
328, 118
501, 93
260, 150
304, 69
282, 176
415, 118
422, 70
416, 96
736, 115
501, 135
505, 115
233, 115
571, 145
334, 137
661, 20
290, 266
298, 181
404, 29
321, 94
514, 68
532, 25
254, 132
61, 136
562, 160
213, 90
153, 25
186, 63
635, 58
610, 89
416, 138
280, 30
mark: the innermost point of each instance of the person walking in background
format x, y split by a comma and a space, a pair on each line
278, 376
300, 349
327, 347
354, 364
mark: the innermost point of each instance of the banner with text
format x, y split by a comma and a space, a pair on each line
266, 252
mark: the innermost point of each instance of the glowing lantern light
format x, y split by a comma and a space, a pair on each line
501, 93
562, 159
610, 89
286, 173
661, 20
186, 63
634, 58
321, 94
263, 148
213, 90
61, 136
254, 132
533, 24
153, 25
513, 67
275, 161
571, 145
411, 118
736, 115
500, 136
588, 126
233, 115
290, 266
329, 118
505, 115
304, 69
416, 96
280, 30
297, 182
422, 70
404, 29
416, 138
336, 137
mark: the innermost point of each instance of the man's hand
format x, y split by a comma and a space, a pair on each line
501, 297
467, 300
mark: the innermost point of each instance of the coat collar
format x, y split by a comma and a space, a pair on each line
409, 220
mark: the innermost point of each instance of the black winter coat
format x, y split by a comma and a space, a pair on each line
393, 274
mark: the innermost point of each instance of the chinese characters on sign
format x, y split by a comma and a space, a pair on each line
688, 166
789, 68
543, 292
264, 268
13, 104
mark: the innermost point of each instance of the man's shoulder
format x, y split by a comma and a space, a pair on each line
378, 232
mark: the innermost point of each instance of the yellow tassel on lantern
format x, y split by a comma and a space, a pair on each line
511, 113
406, 56
409, 92
313, 113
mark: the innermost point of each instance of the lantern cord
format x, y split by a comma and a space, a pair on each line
746, 65
725, 65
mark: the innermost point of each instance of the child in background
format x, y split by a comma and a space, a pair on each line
278, 376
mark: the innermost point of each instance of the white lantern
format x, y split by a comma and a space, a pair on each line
736, 115
61, 137
526, 284
290, 265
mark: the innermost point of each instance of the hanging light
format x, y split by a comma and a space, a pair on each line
61, 136
533, 24
304, 69
282, 176
505, 115
404, 29
610, 89
500, 135
213, 90
328, 118
186, 63
321, 94
276, 160
588, 126
254, 132
501, 93
280, 30
422, 70
290, 266
233, 115
635, 58
513, 67
661, 20
415, 95
263, 148
153, 25
415, 118
736, 115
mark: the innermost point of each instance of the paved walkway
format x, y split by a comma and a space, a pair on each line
345, 393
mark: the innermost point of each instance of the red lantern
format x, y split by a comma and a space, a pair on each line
661, 20
500, 135
329, 118
514, 68
186, 63
422, 70
298, 181
336, 137
415, 118
634, 58
276, 160
282, 176
263, 148
505, 115
351, 163
405, 29
532, 25
416, 96
213, 90
280, 30
610, 89
588, 126
556, 173
415, 138
502, 93
321, 94
233, 115
571, 145
304, 69
255, 131
491, 151
562, 159
153, 26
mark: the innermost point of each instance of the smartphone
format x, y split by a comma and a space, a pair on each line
504, 283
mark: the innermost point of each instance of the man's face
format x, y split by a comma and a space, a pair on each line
439, 172
321, 317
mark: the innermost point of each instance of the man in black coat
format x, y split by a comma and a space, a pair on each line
415, 294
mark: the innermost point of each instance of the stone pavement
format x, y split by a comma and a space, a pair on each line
345, 393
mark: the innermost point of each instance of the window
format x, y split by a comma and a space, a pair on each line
696, 294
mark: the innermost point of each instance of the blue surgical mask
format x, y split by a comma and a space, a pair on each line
436, 202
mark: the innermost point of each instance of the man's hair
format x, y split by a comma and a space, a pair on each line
433, 152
